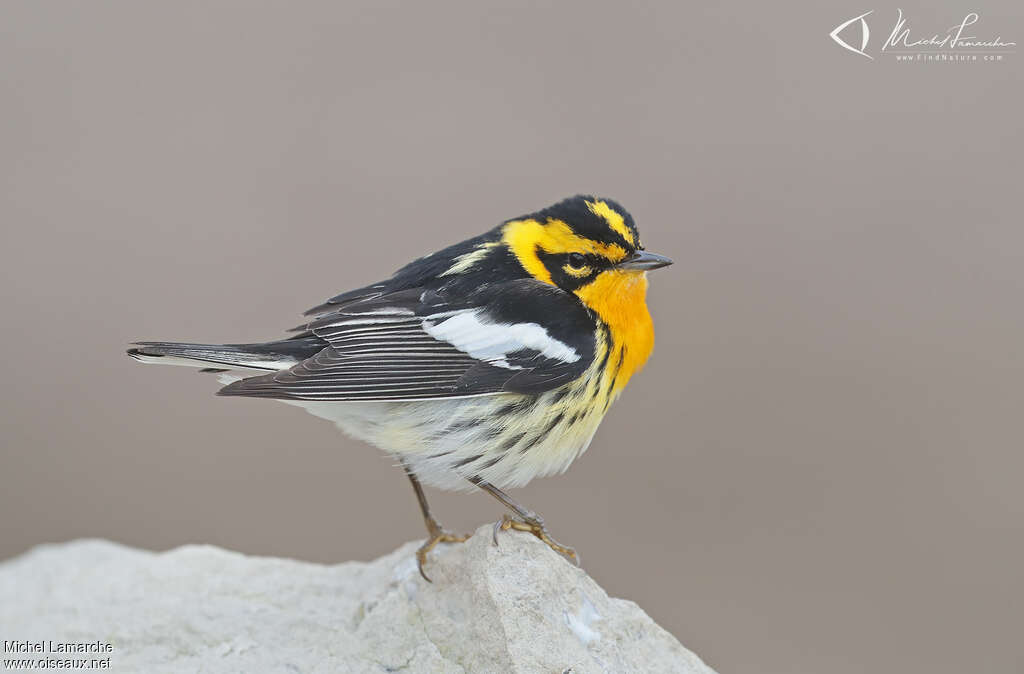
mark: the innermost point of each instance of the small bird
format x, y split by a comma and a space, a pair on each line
481, 366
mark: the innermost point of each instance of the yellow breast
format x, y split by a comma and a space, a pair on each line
620, 300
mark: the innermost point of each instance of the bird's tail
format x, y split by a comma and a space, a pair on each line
268, 356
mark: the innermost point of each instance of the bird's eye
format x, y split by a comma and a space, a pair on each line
576, 266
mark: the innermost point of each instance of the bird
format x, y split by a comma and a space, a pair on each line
477, 367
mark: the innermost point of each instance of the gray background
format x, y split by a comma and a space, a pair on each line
819, 471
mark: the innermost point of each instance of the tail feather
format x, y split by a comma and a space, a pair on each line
269, 356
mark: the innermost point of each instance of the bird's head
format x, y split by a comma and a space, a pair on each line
584, 245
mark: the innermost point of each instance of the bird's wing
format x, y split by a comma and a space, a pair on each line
522, 336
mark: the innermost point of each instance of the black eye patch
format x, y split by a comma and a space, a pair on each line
570, 271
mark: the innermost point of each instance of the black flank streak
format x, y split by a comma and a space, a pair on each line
604, 359
512, 442
492, 462
461, 425
615, 373
525, 449
513, 407
467, 460
554, 422
491, 432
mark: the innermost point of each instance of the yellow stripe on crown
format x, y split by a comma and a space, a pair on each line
613, 218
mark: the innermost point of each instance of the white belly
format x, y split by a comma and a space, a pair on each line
505, 439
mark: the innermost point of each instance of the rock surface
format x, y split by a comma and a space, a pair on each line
514, 608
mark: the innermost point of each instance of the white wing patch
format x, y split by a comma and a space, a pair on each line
471, 333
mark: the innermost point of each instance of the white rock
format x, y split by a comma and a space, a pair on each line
514, 608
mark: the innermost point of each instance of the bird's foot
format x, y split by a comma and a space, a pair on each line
535, 525
437, 534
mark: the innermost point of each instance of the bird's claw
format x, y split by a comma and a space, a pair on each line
536, 527
437, 535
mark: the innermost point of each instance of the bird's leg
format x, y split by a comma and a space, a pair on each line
436, 533
527, 521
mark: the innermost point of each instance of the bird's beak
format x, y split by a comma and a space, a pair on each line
644, 261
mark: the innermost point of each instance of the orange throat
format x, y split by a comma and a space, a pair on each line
620, 300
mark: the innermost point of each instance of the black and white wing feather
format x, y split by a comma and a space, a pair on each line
416, 344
